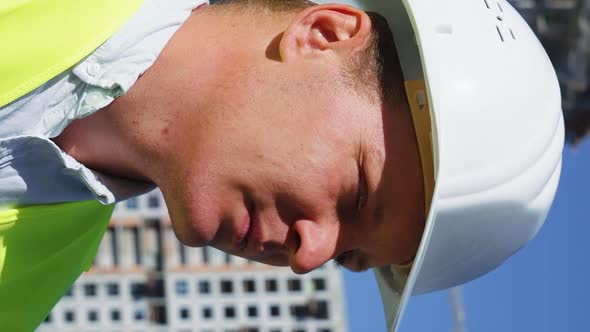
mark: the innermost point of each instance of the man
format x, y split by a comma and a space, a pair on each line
279, 131
263, 136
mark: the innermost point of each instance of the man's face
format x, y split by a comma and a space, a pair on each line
288, 167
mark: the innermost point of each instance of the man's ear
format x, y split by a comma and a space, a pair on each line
319, 29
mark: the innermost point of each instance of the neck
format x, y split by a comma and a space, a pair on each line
139, 135
94, 142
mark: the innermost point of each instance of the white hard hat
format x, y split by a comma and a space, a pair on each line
487, 110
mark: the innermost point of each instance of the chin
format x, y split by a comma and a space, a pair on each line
190, 231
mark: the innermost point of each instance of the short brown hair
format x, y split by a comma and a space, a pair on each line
270, 5
378, 68
375, 71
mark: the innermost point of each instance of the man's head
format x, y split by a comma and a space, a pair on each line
287, 150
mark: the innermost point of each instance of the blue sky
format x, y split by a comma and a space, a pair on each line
543, 288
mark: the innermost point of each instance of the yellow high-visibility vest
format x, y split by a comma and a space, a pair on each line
44, 248
39, 39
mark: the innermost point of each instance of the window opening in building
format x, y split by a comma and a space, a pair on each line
156, 287
227, 286
230, 312
204, 287
252, 311
299, 312
181, 287
299, 330
90, 290
182, 253
154, 226
205, 255
312, 309
271, 285
112, 289
136, 246
275, 310
153, 288
321, 311
139, 314
324, 330
47, 319
249, 286
158, 315
115, 315
184, 313
69, 316
131, 203
114, 245
319, 284
92, 316
70, 292
207, 313
228, 259
137, 290
294, 285
153, 201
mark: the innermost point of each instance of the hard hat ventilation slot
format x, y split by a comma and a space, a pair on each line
512, 34
500, 33
502, 26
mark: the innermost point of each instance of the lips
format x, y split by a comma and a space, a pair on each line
244, 232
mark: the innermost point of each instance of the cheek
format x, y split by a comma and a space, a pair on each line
198, 197
397, 239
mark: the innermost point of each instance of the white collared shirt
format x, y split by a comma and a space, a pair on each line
33, 170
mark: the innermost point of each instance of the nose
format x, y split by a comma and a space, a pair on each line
313, 245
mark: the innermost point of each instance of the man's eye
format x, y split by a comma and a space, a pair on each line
362, 194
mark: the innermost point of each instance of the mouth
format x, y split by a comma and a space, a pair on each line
244, 233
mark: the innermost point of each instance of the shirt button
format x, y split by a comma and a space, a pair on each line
92, 69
